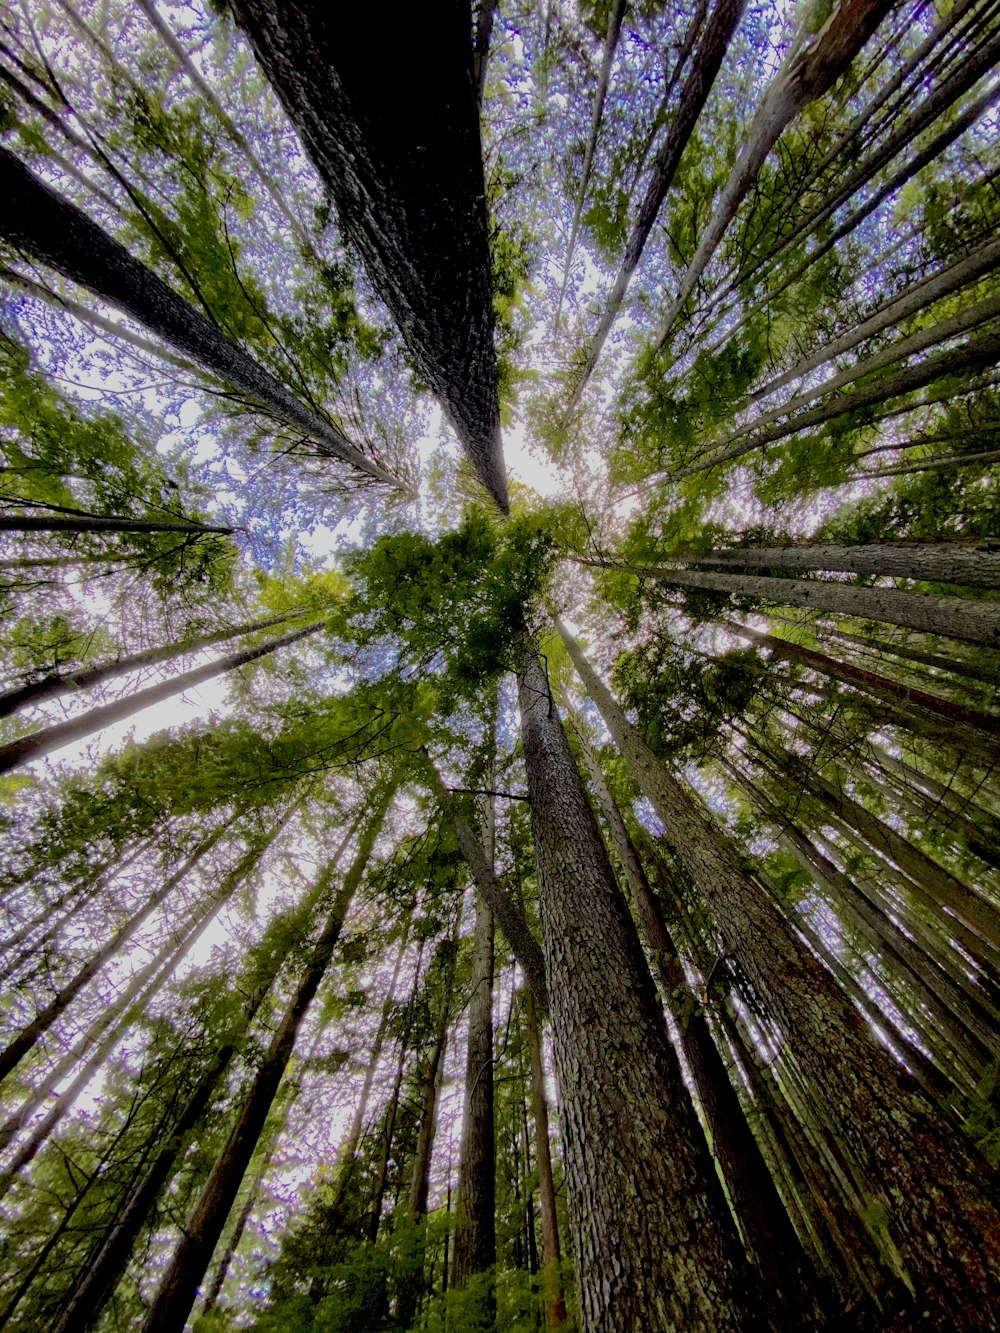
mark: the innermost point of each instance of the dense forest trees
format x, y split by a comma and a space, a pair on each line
499, 570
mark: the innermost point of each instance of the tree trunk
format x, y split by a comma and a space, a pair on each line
929, 1207
52, 231
925, 714
809, 71
19, 1046
974, 621
523, 945
409, 190
555, 1300
65, 523
59, 683
46, 739
475, 1237
707, 62
177, 1292
763, 1218
975, 562
634, 1148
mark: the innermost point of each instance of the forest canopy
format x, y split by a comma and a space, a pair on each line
499, 567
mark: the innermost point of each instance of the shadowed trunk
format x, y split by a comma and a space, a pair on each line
409, 189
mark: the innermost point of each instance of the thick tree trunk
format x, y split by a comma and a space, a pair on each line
59, 683
707, 62
974, 621
51, 230
46, 739
634, 1149
475, 1237
764, 1221
976, 562
931, 1211
409, 189
177, 1292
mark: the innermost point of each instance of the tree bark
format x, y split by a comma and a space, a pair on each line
975, 562
95, 523
931, 1211
51, 230
409, 190
555, 1299
46, 739
475, 1237
634, 1148
974, 621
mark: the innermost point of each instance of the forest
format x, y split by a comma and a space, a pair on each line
499, 569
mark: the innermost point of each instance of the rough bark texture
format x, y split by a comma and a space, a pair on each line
655, 1246
954, 617
976, 563
63, 523
408, 186
929, 1195
44, 741
36, 221
475, 1238
770, 1236
201, 1234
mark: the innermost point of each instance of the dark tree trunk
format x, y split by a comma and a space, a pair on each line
475, 1237
707, 62
53, 231
46, 739
409, 189
65, 523
655, 1245
788, 1284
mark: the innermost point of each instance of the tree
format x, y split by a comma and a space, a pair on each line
664, 988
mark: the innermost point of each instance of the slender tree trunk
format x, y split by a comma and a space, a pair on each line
634, 1148
492, 893
707, 62
19, 1046
809, 71
555, 1300
177, 1292
930, 1192
58, 683
65, 523
475, 1237
51, 230
46, 739
925, 714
